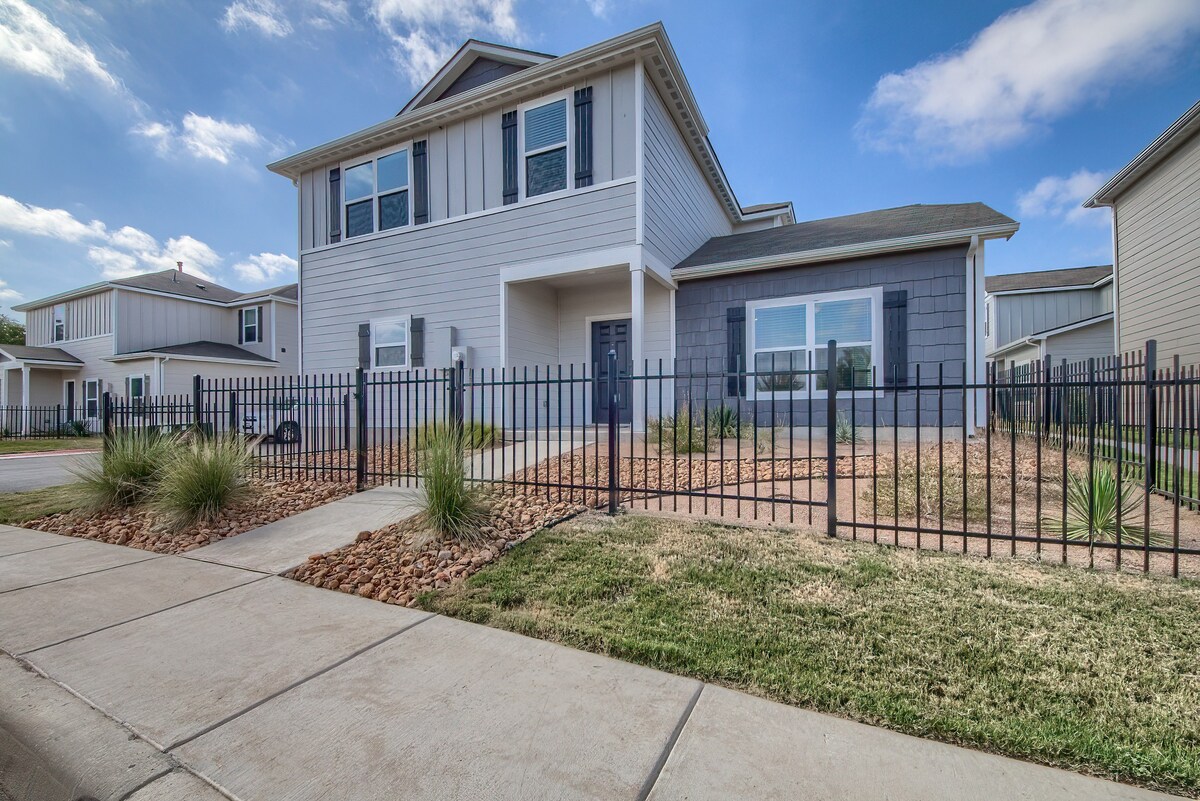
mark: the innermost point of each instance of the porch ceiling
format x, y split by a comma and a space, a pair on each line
600, 276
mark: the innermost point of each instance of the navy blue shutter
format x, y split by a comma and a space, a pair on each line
335, 205
509, 140
416, 344
895, 338
735, 324
364, 346
583, 137
420, 182
258, 328
241, 326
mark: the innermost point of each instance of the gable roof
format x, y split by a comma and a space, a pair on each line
169, 282
1048, 279
463, 70
902, 228
1179, 132
650, 43
39, 354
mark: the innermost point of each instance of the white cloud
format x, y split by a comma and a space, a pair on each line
120, 253
1062, 197
265, 16
31, 43
1029, 67
425, 33
202, 137
266, 268
7, 293
55, 223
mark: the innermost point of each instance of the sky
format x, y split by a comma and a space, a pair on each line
135, 134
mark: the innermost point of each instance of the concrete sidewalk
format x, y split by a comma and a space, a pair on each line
237, 682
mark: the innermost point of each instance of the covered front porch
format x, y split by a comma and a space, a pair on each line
568, 314
37, 390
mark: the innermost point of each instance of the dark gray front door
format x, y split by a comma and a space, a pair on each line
611, 335
70, 401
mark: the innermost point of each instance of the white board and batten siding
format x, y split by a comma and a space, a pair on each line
681, 211
1158, 257
1021, 315
449, 274
465, 157
146, 321
87, 316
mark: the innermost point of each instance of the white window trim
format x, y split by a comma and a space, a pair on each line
89, 383
569, 96
257, 325
876, 296
374, 197
407, 319
54, 322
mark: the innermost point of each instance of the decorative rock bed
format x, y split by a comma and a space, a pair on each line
271, 501
395, 564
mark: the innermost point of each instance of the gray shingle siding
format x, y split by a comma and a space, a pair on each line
937, 327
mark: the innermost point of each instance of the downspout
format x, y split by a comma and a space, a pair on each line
300, 274
973, 333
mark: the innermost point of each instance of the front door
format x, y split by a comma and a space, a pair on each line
611, 335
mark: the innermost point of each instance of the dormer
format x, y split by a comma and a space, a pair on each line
475, 64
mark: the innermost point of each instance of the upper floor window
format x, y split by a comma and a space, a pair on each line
251, 324
389, 343
375, 193
60, 322
544, 146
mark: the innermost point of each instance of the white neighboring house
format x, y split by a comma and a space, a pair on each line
142, 337
1053, 314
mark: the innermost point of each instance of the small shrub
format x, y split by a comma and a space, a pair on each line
897, 490
770, 441
125, 472
679, 434
1100, 522
845, 431
77, 428
476, 434
200, 478
724, 423
453, 507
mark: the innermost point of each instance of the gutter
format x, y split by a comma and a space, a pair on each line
842, 252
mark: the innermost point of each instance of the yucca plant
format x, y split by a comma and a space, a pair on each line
126, 470
681, 433
453, 507
724, 423
1091, 513
202, 477
845, 431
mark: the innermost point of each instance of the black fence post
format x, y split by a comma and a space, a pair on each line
457, 400
613, 417
1150, 435
233, 411
360, 400
58, 420
197, 402
106, 421
831, 382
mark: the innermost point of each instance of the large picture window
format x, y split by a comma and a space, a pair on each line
375, 193
788, 336
544, 146
390, 343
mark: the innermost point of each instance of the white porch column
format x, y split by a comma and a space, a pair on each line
637, 345
25, 399
976, 410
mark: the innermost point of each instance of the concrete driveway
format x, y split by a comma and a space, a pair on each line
34, 471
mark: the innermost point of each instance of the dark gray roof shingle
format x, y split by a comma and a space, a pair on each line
206, 350
288, 291
174, 282
39, 353
1047, 279
852, 229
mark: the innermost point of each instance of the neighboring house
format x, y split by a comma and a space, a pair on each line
144, 336
1053, 314
1156, 242
525, 210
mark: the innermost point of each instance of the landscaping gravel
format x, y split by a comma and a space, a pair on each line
138, 528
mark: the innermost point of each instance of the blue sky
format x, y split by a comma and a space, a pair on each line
135, 133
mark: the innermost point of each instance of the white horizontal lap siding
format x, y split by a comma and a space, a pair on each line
287, 338
465, 157
1158, 253
1081, 344
532, 322
178, 374
681, 211
449, 273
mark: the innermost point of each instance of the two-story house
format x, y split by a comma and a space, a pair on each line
1053, 314
526, 210
144, 336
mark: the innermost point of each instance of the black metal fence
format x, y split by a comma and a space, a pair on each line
1094, 464
46, 422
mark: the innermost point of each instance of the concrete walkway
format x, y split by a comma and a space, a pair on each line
138, 676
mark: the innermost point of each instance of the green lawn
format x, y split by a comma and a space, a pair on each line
19, 507
1088, 671
8, 446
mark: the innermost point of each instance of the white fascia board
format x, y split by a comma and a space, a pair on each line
841, 252
150, 354
574, 263
70, 294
